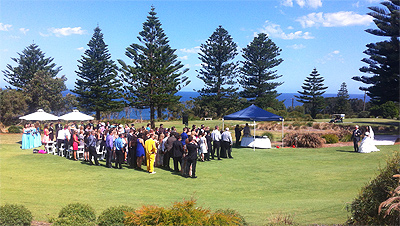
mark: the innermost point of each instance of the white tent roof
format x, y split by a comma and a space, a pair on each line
40, 115
75, 115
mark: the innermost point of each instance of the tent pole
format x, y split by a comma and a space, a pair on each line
223, 124
254, 140
283, 120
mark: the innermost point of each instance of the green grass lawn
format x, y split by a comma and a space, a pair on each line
315, 185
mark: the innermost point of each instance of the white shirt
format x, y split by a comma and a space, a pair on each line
216, 135
61, 135
226, 136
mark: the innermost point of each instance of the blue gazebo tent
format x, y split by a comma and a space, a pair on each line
254, 113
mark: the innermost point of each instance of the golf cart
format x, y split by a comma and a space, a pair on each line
337, 118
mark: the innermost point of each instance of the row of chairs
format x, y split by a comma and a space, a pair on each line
51, 148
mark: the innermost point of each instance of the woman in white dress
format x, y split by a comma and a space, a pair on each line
367, 144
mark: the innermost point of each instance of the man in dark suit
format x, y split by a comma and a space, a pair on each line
192, 147
177, 152
356, 138
167, 153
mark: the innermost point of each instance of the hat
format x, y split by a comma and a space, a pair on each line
121, 126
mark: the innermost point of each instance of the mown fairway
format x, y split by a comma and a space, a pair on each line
313, 184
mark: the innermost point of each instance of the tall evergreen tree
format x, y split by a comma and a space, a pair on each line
155, 76
342, 104
312, 92
218, 73
30, 61
257, 76
97, 85
383, 61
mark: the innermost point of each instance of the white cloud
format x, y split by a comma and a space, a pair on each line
82, 49
5, 27
332, 56
303, 3
339, 19
297, 46
66, 31
24, 30
44, 35
275, 30
287, 3
183, 58
192, 50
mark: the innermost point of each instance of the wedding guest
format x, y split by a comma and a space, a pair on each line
216, 137
151, 151
109, 148
246, 131
119, 150
140, 151
92, 148
46, 133
132, 144
26, 137
226, 144
192, 147
238, 134
177, 152
160, 151
51, 132
167, 152
203, 146
75, 143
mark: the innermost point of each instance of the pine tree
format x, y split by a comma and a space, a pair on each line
261, 55
312, 92
155, 76
383, 61
97, 85
30, 61
342, 100
218, 73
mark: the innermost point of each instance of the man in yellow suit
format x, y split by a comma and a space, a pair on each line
151, 150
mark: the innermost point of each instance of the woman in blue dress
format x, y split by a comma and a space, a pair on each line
25, 137
31, 136
139, 151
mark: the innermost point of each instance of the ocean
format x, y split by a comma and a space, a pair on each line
288, 98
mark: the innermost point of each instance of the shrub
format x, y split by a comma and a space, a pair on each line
13, 214
114, 216
346, 137
15, 129
364, 208
330, 138
182, 213
309, 124
319, 116
75, 214
282, 219
226, 217
308, 140
269, 135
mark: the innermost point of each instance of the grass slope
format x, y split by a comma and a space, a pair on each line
313, 184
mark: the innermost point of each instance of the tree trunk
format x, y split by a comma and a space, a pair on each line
97, 115
152, 116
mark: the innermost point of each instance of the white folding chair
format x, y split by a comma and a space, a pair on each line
50, 148
61, 150
80, 153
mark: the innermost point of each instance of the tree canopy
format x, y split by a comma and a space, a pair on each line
383, 62
155, 76
97, 85
257, 77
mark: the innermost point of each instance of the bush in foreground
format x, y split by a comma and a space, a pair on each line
12, 214
364, 208
114, 216
75, 214
182, 213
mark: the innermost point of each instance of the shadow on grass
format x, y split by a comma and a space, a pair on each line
346, 151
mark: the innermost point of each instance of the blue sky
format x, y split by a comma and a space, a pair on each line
328, 35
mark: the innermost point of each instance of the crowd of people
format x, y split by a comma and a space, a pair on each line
124, 144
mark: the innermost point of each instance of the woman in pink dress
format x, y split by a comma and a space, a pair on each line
46, 133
